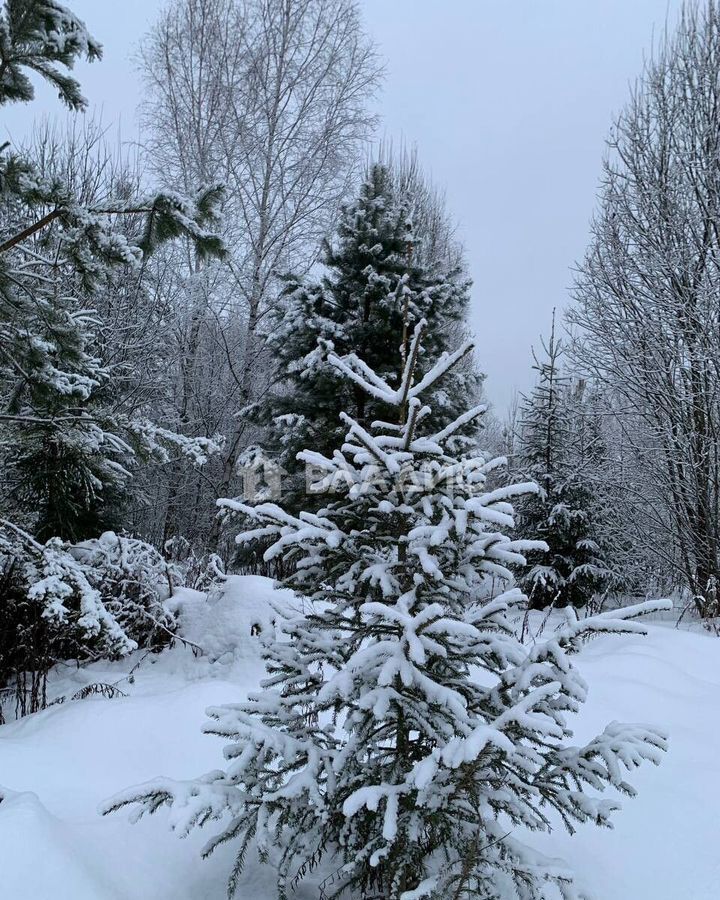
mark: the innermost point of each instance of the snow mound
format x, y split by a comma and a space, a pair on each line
227, 622
62, 763
62, 870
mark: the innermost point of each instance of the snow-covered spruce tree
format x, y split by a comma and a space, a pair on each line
67, 441
378, 284
373, 750
553, 451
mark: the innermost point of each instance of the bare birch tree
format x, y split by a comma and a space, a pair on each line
270, 97
648, 295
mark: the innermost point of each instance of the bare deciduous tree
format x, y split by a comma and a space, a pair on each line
270, 97
648, 294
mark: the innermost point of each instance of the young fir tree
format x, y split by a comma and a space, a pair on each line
378, 285
66, 449
372, 749
556, 450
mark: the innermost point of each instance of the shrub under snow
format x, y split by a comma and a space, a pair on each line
101, 598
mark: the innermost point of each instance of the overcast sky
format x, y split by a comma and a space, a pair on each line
508, 104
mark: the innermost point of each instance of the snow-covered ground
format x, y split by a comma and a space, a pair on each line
58, 765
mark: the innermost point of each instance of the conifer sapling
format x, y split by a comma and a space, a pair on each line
404, 734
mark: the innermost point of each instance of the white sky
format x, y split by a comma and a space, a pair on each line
508, 104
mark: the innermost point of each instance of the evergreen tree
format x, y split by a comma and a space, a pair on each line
378, 285
66, 449
48, 39
372, 747
557, 446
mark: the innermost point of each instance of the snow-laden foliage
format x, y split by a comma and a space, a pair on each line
50, 611
562, 450
379, 278
404, 734
102, 598
136, 581
71, 435
40, 35
59, 584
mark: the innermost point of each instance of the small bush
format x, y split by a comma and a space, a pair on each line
100, 599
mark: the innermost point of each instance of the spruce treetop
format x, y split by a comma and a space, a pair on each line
376, 287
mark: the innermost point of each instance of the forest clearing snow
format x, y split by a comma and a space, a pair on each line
58, 765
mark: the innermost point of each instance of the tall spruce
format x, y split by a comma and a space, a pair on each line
378, 284
557, 444
372, 751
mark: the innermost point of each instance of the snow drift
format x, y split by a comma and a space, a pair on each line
58, 765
